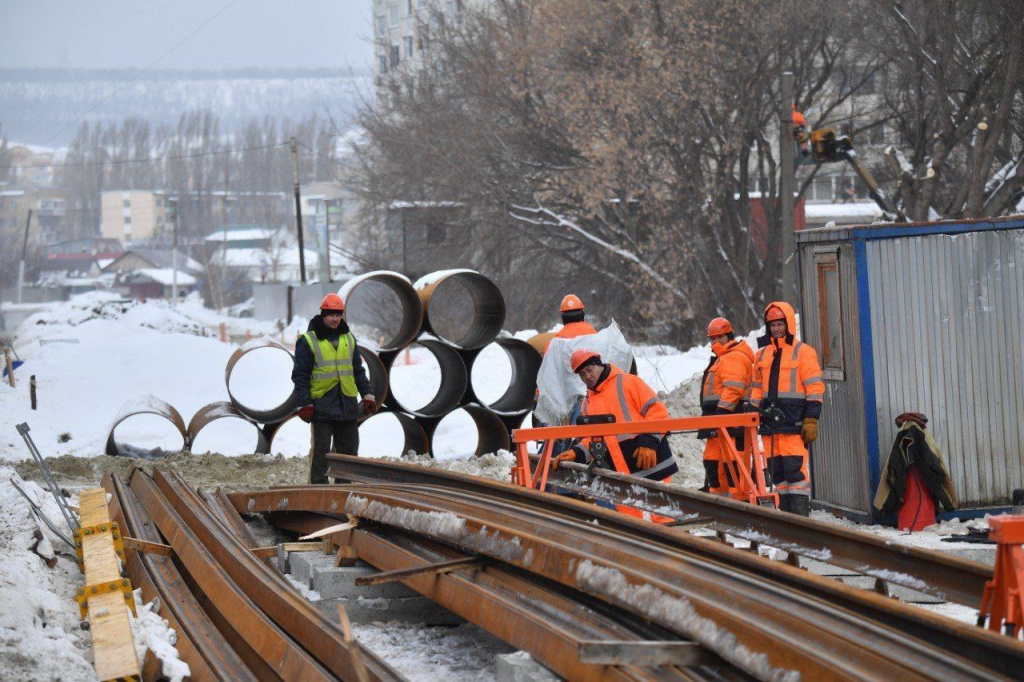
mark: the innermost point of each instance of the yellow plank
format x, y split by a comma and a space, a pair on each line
112, 641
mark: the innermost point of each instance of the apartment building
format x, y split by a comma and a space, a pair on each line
132, 215
399, 26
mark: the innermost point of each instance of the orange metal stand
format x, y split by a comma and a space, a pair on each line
1003, 599
747, 468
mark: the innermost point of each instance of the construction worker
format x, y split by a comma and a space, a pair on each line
800, 132
788, 390
573, 312
329, 377
627, 398
723, 389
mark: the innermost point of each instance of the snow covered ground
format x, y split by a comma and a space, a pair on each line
95, 353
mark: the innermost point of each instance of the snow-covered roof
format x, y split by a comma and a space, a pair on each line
859, 212
425, 204
255, 258
241, 235
164, 276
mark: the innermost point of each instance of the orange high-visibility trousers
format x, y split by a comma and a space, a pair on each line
787, 461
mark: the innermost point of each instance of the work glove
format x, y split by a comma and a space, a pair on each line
645, 458
369, 405
305, 413
809, 431
567, 456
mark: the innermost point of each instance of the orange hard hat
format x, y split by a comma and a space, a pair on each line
332, 302
798, 118
719, 326
774, 313
570, 303
580, 356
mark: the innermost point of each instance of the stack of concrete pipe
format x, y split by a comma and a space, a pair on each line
455, 352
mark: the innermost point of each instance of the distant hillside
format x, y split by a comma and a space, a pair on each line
36, 103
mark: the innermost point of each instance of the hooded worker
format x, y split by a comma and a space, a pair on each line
788, 389
723, 389
627, 398
329, 377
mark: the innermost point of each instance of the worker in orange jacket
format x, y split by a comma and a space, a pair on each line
723, 389
573, 313
629, 399
789, 390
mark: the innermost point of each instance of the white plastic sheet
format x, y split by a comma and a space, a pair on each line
559, 387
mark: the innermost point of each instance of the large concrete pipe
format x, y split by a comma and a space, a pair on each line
145, 405
446, 314
264, 416
414, 437
220, 410
524, 361
367, 302
454, 380
491, 432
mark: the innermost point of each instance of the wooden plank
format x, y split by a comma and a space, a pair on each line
265, 552
147, 546
303, 546
405, 573
362, 674
348, 525
112, 641
684, 654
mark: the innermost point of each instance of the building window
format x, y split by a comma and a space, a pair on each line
408, 7
127, 220
408, 47
395, 56
830, 317
395, 14
380, 24
127, 203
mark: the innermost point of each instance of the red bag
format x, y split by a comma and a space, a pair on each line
918, 508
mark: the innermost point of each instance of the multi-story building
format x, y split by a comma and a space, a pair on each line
31, 167
49, 223
132, 215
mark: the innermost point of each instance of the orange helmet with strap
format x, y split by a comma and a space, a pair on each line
581, 357
570, 303
774, 313
718, 327
332, 302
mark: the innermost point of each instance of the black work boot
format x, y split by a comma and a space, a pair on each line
800, 505
786, 502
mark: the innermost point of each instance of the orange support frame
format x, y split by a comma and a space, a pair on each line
749, 488
1003, 597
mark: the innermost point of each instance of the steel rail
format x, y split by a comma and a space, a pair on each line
940, 575
199, 644
271, 592
219, 504
778, 627
283, 657
524, 612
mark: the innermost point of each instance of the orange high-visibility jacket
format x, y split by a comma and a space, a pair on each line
628, 398
727, 379
787, 375
571, 331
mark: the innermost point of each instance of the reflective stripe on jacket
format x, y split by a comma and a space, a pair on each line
787, 375
727, 379
332, 366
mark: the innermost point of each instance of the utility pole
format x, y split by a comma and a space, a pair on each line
174, 265
325, 275
787, 180
24, 253
298, 210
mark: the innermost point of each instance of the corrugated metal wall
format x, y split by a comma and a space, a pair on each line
947, 319
839, 468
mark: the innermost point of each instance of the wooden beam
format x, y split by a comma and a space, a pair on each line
112, 642
265, 552
346, 556
348, 525
303, 546
684, 654
354, 652
405, 573
146, 546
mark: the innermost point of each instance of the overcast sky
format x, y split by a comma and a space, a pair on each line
135, 33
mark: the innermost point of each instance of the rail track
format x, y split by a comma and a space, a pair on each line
590, 593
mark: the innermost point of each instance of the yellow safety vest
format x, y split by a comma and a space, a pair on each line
332, 366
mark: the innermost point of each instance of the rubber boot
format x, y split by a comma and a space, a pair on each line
800, 505
786, 502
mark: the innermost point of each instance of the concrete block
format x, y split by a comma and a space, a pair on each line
303, 563
520, 667
898, 591
983, 554
413, 610
282, 560
334, 582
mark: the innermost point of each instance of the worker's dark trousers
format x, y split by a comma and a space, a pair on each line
345, 437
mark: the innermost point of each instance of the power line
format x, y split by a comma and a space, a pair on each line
142, 71
155, 159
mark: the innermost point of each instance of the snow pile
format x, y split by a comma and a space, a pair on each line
39, 633
151, 633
